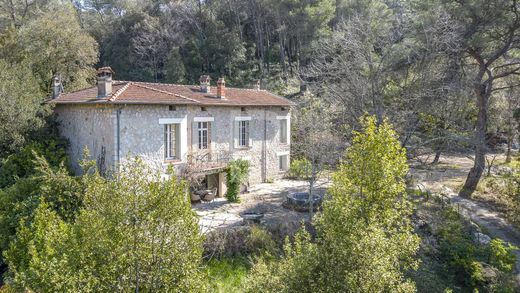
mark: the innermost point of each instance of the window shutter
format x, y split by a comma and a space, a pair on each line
211, 145
195, 136
178, 153
249, 127
165, 126
235, 134
288, 129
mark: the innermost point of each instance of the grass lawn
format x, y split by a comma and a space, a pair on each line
227, 275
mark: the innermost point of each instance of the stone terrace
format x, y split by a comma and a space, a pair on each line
266, 198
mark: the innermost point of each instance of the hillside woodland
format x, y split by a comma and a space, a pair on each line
380, 85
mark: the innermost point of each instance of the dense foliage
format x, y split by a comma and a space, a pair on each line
299, 169
444, 73
237, 173
133, 232
364, 237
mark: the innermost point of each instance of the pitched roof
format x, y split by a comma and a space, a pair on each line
131, 92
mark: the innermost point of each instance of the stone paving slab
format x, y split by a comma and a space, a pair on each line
265, 198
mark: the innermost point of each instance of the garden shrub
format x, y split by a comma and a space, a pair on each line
222, 243
363, 243
299, 169
457, 248
512, 191
22, 164
260, 242
236, 174
240, 241
122, 237
501, 255
467, 263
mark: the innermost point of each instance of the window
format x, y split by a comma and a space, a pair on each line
283, 131
203, 109
172, 108
171, 141
203, 131
283, 162
243, 133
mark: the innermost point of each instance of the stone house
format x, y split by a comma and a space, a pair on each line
177, 125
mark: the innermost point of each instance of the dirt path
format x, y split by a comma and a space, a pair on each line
448, 176
493, 224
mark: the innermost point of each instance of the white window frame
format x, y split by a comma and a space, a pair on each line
283, 131
203, 132
283, 166
243, 133
181, 135
171, 144
287, 134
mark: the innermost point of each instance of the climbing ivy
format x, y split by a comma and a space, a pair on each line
237, 173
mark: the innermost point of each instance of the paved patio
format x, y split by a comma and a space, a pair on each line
265, 198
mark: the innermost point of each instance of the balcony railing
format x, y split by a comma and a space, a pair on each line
204, 160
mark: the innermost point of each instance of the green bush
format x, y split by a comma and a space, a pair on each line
236, 174
501, 255
299, 169
22, 164
260, 242
62, 192
363, 237
226, 274
457, 249
122, 237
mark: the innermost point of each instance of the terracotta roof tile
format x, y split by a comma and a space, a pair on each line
130, 92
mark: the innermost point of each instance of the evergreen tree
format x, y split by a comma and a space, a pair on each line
134, 232
365, 241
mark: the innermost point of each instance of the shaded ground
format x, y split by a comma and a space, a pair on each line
265, 198
447, 177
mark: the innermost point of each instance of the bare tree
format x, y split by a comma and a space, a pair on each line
315, 140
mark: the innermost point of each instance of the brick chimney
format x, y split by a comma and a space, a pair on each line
104, 82
205, 81
57, 87
256, 85
221, 88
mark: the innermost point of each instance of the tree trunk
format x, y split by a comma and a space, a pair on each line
311, 186
282, 56
483, 91
312, 181
437, 156
509, 145
509, 128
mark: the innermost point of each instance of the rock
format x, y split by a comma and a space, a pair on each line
489, 273
446, 191
481, 238
504, 170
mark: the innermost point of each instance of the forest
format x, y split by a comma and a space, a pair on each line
397, 101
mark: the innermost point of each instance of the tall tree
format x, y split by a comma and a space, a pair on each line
364, 239
20, 112
55, 44
315, 140
489, 34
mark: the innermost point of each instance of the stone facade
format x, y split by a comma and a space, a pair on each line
114, 133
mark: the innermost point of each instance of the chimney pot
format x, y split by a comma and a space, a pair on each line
257, 85
221, 88
57, 87
205, 81
104, 82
